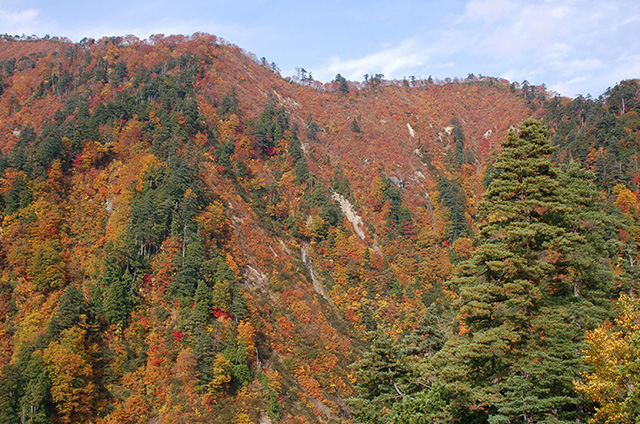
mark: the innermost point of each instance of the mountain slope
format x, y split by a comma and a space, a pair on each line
187, 236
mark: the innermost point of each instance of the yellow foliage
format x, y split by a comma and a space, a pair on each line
213, 222
319, 228
221, 370
614, 355
626, 200
72, 376
463, 247
247, 334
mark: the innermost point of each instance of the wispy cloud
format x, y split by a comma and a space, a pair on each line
19, 21
578, 46
567, 44
387, 61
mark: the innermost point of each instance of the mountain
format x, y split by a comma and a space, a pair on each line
189, 237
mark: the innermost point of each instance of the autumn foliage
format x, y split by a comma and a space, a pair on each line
186, 236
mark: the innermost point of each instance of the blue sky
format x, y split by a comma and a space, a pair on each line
572, 46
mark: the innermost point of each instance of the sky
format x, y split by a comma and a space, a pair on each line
572, 46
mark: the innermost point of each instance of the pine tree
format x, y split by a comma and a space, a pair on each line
35, 403
516, 356
381, 379
202, 305
68, 311
9, 390
117, 302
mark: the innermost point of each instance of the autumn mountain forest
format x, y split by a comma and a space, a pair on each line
186, 236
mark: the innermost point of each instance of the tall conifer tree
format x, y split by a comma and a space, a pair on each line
519, 343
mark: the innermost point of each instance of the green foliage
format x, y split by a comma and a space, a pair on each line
518, 354
49, 146
18, 197
312, 128
202, 305
340, 184
68, 312
192, 269
395, 378
9, 393
355, 128
460, 154
118, 296
381, 380
451, 195
204, 351
399, 214
35, 402
302, 171
223, 156
119, 73
342, 83
46, 268
236, 353
270, 128
229, 104
423, 407
588, 130
238, 307
623, 97
166, 205
295, 150
331, 213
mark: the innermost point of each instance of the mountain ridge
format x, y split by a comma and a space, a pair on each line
197, 202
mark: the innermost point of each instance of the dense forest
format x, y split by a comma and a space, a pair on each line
187, 236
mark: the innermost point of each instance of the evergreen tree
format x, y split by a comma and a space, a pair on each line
35, 404
238, 306
460, 153
382, 380
205, 352
452, 196
9, 390
229, 104
236, 353
117, 302
355, 128
68, 311
202, 305
394, 383
342, 83
517, 355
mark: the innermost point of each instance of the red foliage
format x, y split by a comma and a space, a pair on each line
77, 161
623, 235
179, 335
217, 313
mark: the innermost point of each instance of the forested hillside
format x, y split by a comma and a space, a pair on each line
187, 236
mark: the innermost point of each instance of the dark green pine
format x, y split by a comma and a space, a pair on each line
521, 318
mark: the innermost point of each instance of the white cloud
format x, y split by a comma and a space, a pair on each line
387, 61
572, 46
564, 89
19, 21
626, 67
490, 11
